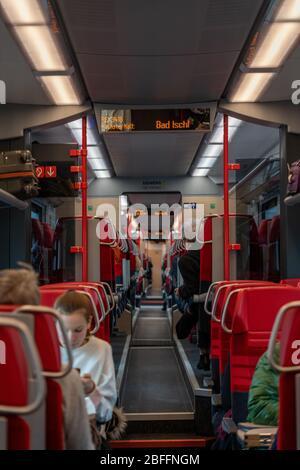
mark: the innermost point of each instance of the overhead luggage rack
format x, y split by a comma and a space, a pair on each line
8, 200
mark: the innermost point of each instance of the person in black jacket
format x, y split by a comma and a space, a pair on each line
189, 266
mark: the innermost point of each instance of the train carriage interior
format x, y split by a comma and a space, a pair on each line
149, 165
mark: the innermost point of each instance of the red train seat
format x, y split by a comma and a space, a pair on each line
253, 317
16, 362
50, 295
288, 321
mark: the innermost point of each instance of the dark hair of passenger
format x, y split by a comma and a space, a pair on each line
19, 286
73, 301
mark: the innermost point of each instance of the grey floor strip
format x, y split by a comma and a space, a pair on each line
154, 382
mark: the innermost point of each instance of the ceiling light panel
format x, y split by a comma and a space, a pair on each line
201, 172
97, 164
23, 12
61, 88
212, 150
206, 162
40, 46
279, 39
103, 174
288, 11
94, 152
217, 136
250, 87
78, 124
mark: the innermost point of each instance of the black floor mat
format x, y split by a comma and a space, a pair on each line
154, 382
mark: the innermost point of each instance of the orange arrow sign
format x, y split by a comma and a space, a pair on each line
51, 172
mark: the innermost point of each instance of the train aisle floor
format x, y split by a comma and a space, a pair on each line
118, 340
154, 383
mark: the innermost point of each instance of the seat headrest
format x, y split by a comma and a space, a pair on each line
256, 307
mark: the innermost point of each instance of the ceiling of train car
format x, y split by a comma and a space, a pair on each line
134, 52
150, 154
22, 86
154, 52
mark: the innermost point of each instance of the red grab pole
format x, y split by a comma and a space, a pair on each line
84, 201
226, 203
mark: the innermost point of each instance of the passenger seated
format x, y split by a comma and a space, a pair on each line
263, 394
189, 266
92, 357
20, 287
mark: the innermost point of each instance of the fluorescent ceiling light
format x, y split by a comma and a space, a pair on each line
61, 89
78, 124
218, 133
97, 164
94, 152
41, 48
251, 87
201, 172
276, 45
212, 150
103, 174
289, 11
217, 136
23, 11
91, 139
206, 162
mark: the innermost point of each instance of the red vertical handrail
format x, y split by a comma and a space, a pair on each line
84, 201
226, 203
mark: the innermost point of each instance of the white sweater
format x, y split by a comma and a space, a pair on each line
95, 358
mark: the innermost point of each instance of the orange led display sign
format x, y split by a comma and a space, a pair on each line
135, 120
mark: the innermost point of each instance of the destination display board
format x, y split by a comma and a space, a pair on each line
141, 120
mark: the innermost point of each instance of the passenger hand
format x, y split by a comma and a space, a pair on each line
88, 384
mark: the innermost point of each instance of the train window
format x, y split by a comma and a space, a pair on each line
254, 198
270, 208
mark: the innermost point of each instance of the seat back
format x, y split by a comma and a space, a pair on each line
206, 252
228, 308
288, 321
291, 282
253, 317
19, 362
220, 350
263, 241
50, 295
47, 343
99, 298
274, 254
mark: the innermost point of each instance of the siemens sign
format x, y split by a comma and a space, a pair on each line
2, 92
